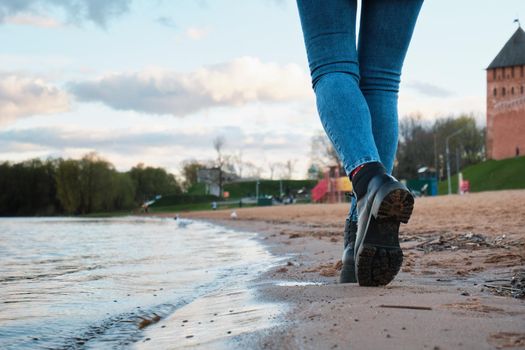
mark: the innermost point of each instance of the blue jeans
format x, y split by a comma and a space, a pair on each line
357, 88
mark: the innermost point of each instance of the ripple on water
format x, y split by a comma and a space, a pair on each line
82, 283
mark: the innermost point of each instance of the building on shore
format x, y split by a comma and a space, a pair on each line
506, 100
214, 179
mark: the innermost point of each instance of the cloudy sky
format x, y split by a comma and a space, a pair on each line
155, 81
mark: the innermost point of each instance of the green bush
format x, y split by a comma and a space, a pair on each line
266, 187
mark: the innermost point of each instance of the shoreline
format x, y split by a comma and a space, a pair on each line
226, 311
452, 246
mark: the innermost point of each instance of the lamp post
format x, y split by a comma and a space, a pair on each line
447, 151
436, 157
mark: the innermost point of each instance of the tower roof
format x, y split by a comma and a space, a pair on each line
513, 53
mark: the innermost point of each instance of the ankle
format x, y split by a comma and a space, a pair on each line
362, 175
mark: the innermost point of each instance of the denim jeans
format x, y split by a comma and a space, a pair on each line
357, 88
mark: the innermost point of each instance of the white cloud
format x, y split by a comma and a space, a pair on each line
33, 20
43, 63
154, 146
434, 107
197, 33
428, 89
131, 140
98, 11
235, 83
23, 96
166, 21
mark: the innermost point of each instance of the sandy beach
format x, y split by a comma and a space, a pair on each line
463, 270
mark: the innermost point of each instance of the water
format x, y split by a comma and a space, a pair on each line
298, 283
70, 283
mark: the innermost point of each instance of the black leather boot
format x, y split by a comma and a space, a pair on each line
378, 256
348, 270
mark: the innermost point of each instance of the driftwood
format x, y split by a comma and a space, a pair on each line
411, 307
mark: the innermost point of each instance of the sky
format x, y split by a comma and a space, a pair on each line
156, 81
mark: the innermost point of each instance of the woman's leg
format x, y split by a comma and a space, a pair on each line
385, 32
330, 39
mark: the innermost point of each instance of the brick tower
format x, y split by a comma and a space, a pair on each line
506, 100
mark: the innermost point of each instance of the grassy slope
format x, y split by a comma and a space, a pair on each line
491, 175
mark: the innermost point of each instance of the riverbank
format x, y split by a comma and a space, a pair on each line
79, 283
461, 254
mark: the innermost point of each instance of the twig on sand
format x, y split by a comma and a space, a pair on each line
501, 287
515, 289
411, 307
497, 280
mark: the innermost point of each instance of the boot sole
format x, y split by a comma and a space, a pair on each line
380, 257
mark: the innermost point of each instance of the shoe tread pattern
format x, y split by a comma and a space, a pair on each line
397, 205
380, 257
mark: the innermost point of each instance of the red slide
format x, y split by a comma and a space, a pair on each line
320, 190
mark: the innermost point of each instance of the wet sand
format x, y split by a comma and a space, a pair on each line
455, 290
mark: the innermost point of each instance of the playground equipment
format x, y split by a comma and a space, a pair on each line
145, 206
425, 184
332, 188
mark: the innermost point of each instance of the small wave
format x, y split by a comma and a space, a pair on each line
72, 285
121, 330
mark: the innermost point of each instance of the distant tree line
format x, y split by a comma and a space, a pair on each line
70, 186
232, 163
421, 144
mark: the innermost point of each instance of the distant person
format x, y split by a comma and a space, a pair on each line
214, 205
356, 90
517, 152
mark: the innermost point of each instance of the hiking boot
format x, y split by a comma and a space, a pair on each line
348, 270
378, 256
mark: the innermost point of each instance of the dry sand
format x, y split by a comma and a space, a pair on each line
454, 291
